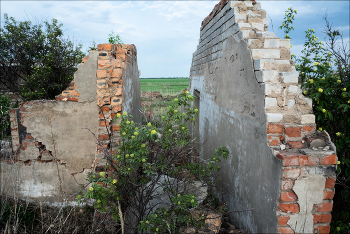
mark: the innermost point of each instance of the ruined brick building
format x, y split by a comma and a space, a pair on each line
249, 100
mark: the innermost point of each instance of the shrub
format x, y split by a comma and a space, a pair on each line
5, 107
151, 162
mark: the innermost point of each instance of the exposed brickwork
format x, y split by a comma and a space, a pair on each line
298, 165
112, 61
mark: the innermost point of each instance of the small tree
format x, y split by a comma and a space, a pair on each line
152, 162
36, 61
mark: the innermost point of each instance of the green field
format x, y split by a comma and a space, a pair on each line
166, 87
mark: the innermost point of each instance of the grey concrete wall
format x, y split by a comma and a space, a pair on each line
55, 150
131, 86
85, 79
70, 149
232, 114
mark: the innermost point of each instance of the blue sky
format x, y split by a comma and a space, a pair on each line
166, 33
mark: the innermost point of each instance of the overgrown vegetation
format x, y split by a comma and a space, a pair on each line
325, 76
5, 106
153, 181
36, 61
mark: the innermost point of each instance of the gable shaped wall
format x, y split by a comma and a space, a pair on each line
251, 102
52, 143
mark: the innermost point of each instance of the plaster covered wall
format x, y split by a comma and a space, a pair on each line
57, 142
232, 114
250, 101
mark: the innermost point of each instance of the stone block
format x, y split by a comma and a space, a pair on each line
273, 118
270, 102
266, 76
271, 89
308, 119
265, 53
266, 34
290, 77
261, 64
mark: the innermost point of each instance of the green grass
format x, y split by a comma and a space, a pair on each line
166, 87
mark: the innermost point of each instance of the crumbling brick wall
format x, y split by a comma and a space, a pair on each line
249, 94
52, 143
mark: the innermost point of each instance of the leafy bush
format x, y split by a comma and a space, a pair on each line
148, 159
325, 76
36, 61
5, 107
114, 39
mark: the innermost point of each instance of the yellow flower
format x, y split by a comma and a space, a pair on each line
282, 24
187, 92
98, 201
132, 155
312, 29
305, 92
289, 19
295, 11
316, 63
124, 133
349, 101
176, 99
183, 128
302, 73
320, 129
320, 90
315, 69
323, 110
91, 188
136, 133
344, 89
127, 155
288, 8
102, 173
286, 13
291, 45
149, 124
114, 181
169, 130
189, 96
195, 110
315, 39
153, 132
143, 145
292, 26
339, 81
323, 78
338, 162
127, 122
329, 64
312, 35
175, 111
118, 115
311, 81
125, 113
338, 133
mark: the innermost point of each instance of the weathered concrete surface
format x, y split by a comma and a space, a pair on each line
231, 112
60, 127
131, 88
85, 79
310, 192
